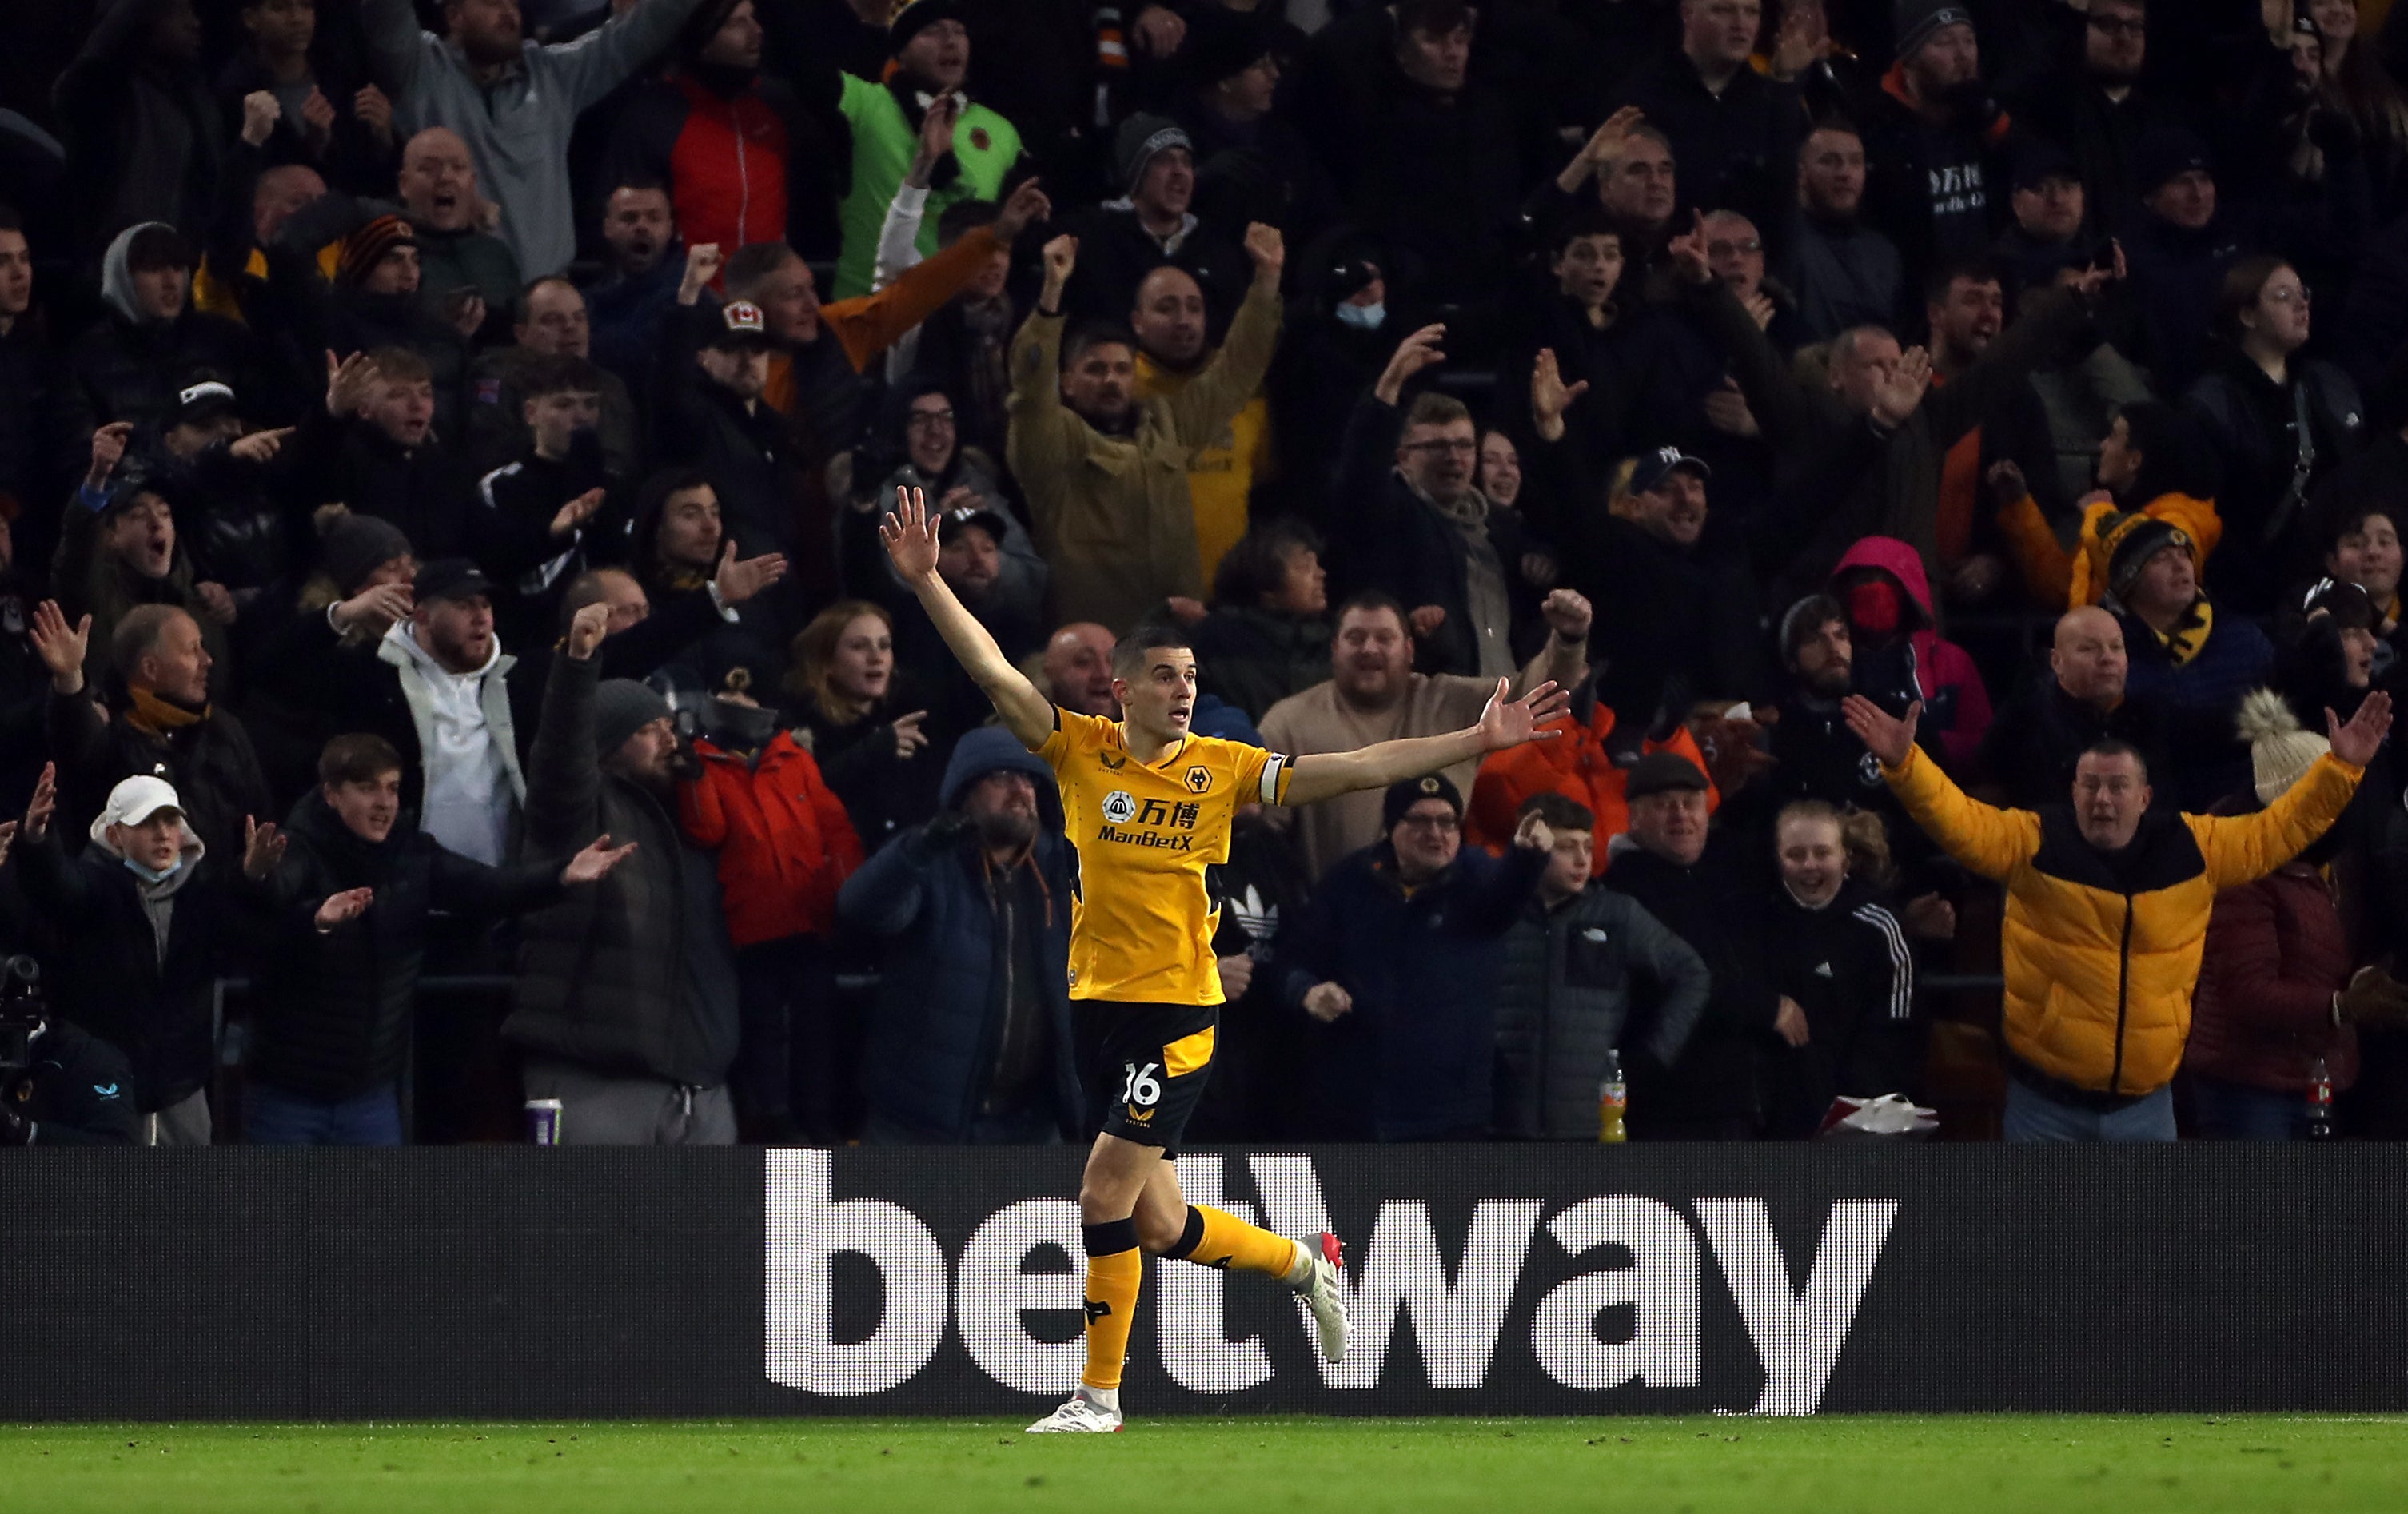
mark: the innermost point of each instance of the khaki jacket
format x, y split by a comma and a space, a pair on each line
1112, 514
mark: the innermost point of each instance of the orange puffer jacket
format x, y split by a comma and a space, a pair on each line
1576, 765
784, 844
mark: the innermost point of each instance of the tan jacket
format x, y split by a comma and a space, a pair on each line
1112, 514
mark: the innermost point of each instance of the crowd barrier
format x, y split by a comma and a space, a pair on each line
520, 1282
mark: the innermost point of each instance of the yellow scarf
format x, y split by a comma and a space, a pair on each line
158, 716
2189, 635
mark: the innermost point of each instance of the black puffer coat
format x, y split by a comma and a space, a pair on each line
633, 976
332, 1015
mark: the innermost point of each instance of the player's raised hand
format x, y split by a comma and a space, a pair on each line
1884, 735
1509, 723
910, 536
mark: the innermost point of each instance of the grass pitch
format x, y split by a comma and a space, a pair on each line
1945, 1464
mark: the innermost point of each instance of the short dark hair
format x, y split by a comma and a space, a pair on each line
1589, 218
750, 264
1092, 334
1432, 408
1436, 17
1258, 564
1371, 599
561, 375
357, 757
1561, 812
963, 217
1833, 122
402, 364
1945, 273
1128, 653
2349, 518
137, 634
2118, 747
1805, 618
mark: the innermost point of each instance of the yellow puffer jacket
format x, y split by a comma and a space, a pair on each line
2100, 956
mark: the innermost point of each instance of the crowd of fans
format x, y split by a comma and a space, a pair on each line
442, 447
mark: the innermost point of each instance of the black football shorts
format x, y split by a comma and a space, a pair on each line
1148, 1067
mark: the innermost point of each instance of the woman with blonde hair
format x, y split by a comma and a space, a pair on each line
866, 730
1835, 948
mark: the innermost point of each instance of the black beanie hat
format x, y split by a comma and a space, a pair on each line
1403, 796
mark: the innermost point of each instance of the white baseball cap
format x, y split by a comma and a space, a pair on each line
134, 801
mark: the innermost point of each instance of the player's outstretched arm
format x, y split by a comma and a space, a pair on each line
1506, 723
911, 537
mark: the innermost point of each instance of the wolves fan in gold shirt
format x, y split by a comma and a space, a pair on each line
1148, 805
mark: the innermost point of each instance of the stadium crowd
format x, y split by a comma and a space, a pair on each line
442, 449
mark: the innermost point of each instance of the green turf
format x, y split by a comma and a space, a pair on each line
1967, 1464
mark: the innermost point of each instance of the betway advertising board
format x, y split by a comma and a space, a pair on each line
1501, 1279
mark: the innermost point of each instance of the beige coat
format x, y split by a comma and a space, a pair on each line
1111, 513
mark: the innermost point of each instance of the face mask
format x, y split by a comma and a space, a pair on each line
1362, 316
150, 875
1873, 606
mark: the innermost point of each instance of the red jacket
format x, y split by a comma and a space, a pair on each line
2276, 955
784, 844
1955, 705
1574, 765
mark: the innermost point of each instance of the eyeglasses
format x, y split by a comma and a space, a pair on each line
1724, 250
1460, 449
1427, 822
921, 419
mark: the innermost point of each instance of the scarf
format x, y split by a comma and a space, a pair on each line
1484, 585
156, 714
2189, 638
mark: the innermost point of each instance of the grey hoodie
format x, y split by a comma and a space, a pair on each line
159, 894
517, 128
117, 279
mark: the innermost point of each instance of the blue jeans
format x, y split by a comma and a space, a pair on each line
271, 1117
2239, 1112
2036, 1118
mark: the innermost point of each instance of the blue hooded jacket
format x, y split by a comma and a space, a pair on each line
940, 1006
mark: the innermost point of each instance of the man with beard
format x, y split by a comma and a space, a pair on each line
626, 996
1105, 471
1373, 695
1932, 136
1844, 273
512, 102
1169, 321
971, 1042
741, 158
1814, 756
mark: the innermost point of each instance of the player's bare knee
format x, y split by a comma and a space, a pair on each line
1159, 1230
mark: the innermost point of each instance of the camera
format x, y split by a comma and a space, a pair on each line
22, 1011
